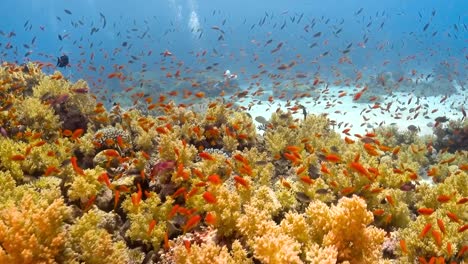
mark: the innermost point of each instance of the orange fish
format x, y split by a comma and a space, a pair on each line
76, 168
425, 211
437, 237
443, 198
453, 217
179, 192
77, 133
166, 241
390, 200
187, 245
378, 212
333, 158
152, 224
18, 157
348, 140
116, 198
90, 202
241, 181
200, 95
356, 166
210, 218
215, 179
307, 180
463, 228
206, 156
50, 170
404, 249
426, 229
209, 197
347, 190
192, 222
441, 225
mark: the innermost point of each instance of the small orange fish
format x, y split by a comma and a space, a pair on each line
206, 156
116, 198
241, 181
378, 212
76, 168
396, 150
179, 192
152, 224
200, 95
449, 249
333, 158
77, 133
425, 211
111, 153
285, 183
453, 217
210, 218
348, 140
463, 228
215, 179
191, 222
293, 148
356, 166
347, 190
437, 237
104, 178
307, 180
166, 241
209, 197
90, 202
404, 249
18, 157
192, 192
390, 200
426, 229
50, 170
443, 198
187, 245
462, 200
441, 225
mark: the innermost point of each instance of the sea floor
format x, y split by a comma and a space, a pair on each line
400, 109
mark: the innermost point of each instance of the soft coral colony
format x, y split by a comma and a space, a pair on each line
163, 183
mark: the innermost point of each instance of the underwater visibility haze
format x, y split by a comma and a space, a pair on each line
203, 131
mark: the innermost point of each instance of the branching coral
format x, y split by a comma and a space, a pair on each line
348, 230
90, 242
211, 253
32, 231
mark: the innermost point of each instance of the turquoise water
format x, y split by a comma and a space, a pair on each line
334, 42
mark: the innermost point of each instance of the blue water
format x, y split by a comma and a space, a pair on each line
385, 36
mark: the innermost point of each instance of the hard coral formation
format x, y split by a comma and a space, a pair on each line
173, 184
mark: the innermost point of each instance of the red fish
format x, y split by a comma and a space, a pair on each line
192, 222
209, 197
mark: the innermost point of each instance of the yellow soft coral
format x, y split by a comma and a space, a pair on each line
91, 243
350, 234
33, 231
275, 248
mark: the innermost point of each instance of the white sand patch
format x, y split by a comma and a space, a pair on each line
362, 117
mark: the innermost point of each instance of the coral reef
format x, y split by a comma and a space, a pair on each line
167, 183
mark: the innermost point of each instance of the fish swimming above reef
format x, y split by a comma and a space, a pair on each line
62, 61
